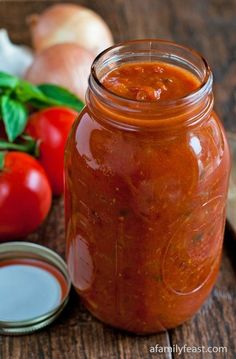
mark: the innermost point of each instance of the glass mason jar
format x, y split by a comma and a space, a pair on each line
145, 196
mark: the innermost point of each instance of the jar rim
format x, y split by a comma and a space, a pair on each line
204, 88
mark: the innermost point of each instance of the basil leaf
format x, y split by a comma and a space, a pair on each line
25, 91
45, 95
45, 103
7, 80
62, 96
14, 116
37, 104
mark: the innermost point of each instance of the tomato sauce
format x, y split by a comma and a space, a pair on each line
151, 81
145, 205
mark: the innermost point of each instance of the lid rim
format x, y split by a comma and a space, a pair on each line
35, 320
29, 250
35, 248
30, 329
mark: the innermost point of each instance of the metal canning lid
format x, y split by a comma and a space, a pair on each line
34, 287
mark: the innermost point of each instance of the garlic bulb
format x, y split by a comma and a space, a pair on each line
15, 59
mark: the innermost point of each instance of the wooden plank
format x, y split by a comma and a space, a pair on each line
210, 27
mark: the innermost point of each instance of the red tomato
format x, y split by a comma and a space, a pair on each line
51, 127
25, 195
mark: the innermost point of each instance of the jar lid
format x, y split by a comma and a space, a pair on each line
34, 287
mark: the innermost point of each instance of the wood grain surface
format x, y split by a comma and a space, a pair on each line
210, 27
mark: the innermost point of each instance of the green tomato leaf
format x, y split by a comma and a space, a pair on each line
7, 80
14, 115
62, 96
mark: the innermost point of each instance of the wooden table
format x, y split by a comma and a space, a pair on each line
210, 27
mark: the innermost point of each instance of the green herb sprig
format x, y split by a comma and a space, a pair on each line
18, 96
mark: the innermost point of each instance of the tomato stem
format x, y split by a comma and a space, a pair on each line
2, 159
29, 146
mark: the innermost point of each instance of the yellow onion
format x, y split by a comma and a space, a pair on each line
70, 23
67, 65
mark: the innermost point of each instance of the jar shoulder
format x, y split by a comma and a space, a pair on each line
206, 145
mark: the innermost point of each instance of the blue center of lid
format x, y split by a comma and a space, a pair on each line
27, 292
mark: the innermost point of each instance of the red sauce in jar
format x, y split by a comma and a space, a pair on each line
145, 205
151, 81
